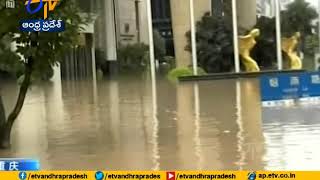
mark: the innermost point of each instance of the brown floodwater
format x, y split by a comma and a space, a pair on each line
122, 125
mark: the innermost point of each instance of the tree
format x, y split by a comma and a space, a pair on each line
311, 44
298, 17
36, 52
2, 113
214, 44
9, 61
265, 51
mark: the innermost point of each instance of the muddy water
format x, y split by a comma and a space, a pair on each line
121, 125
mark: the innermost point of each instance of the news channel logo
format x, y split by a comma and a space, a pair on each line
47, 5
22, 175
45, 24
252, 176
99, 175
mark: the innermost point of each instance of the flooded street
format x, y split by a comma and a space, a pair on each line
121, 125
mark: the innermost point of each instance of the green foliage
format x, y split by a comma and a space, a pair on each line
214, 44
159, 46
36, 52
174, 74
133, 57
265, 51
298, 18
9, 61
311, 43
49, 47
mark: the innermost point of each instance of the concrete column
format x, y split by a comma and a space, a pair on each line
99, 26
143, 23
111, 42
180, 15
247, 12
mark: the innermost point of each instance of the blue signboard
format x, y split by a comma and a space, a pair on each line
289, 86
19, 165
311, 85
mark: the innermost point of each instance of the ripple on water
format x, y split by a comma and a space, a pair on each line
293, 141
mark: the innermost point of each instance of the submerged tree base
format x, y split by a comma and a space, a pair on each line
5, 145
4, 138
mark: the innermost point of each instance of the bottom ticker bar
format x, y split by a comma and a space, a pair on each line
160, 175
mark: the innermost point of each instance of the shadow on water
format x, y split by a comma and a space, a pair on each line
123, 124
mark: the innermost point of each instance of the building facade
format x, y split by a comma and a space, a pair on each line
130, 17
125, 21
162, 19
118, 22
114, 22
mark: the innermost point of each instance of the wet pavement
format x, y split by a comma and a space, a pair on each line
122, 125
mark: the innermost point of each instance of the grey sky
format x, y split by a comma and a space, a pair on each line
313, 2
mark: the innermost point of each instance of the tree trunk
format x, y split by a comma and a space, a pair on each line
2, 117
2, 113
5, 129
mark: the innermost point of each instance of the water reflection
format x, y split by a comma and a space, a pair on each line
250, 125
218, 124
292, 135
155, 126
197, 125
134, 124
